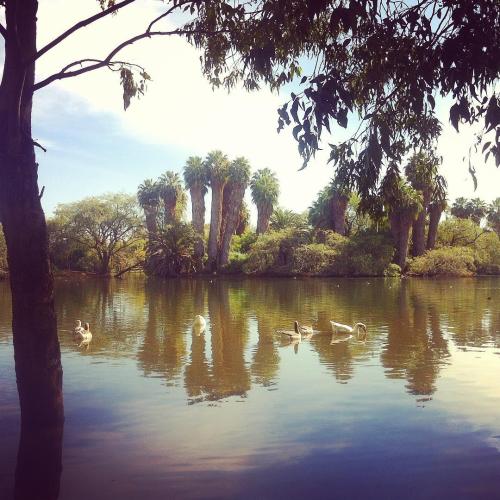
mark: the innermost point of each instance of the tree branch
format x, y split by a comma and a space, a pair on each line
108, 60
3, 31
79, 25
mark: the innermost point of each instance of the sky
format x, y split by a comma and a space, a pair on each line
94, 146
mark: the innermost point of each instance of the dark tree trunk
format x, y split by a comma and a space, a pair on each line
215, 221
198, 218
226, 208
264, 212
36, 346
170, 206
400, 229
232, 216
418, 230
39, 465
242, 224
339, 207
151, 222
434, 218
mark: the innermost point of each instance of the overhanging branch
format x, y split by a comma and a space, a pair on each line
3, 31
108, 61
79, 25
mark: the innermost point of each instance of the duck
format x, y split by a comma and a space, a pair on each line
339, 327
292, 334
86, 335
78, 330
199, 324
304, 330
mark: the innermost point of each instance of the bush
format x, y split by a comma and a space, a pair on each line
236, 262
315, 258
445, 261
273, 251
242, 243
392, 271
365, 254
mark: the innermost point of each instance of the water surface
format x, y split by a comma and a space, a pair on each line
155, 411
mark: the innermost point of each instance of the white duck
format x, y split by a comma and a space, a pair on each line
78, 330
86, 335
199, 324
339, 327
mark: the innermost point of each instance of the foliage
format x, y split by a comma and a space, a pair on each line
195, 173
455, 232
384, 61
455, 261
217, 167
242, 243
265, 187
148, 194
284, 218
392, 271
314, 258
474, 209
172, 252
236, 263
106, 228
273, 251
494, 216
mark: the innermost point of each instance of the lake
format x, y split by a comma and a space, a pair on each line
156, 411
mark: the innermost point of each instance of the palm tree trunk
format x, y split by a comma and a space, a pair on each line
36, 345
226, 208
418, 232
233, 211
170, 205
264, 212
434, 218
198, 218
151, 223
215, 222
339, 207
403, 240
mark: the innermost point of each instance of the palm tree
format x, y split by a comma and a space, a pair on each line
243, 219
238, 178
265, 192
196, 180
149, 200
329, 209
494, 215
339, 199
283, 218
173, 196
217, 165
421, 172
437, 206
403, 204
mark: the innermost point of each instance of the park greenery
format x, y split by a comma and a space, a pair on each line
396, 232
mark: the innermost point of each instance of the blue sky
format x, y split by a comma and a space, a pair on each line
96, 147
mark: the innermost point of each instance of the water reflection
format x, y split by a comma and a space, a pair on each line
152, 399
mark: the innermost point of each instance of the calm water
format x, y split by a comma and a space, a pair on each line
153, 411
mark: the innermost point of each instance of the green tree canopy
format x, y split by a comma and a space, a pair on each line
108, 226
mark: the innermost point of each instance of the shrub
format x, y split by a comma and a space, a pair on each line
273, 251
242, 243
315, 258
392, 271
236, 262
445, 261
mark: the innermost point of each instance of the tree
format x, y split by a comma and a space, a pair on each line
403, 203
493, 217
421, 172
284, 218
172, 252
196, 180
107, 226
149, 200
436, 207
474, 209
243, 219
238, 177
172, 193
448, 47
265, 193
217, 165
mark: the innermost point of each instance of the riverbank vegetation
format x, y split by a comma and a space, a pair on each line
396, 231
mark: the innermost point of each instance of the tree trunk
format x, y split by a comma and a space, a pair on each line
234, 204
215, 221
151, 223
36, 345
264, 212
226, 208
39, 464
434, 218
170, 206
198, 218
418, 232
339, 207
405, 224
